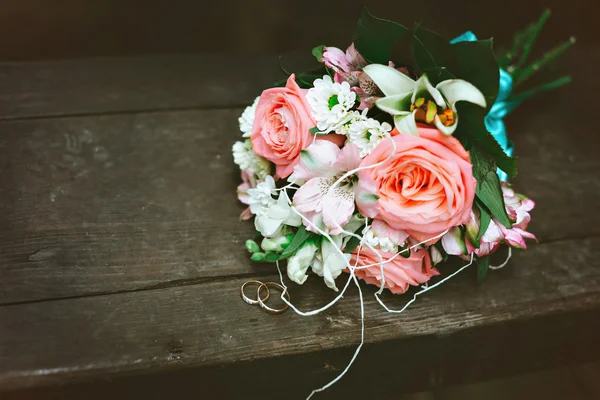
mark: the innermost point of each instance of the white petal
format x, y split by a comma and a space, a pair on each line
446, 130
395, 105
453, 242
298, 263
423, 85
280, 210
389, 80
407, 124
455, 90
267, 227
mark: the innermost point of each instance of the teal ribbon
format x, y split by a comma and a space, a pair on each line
494, 119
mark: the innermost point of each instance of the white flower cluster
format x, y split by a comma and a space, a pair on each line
247, 119
383, 243
367, 133
331, 103
261, 197
248, 160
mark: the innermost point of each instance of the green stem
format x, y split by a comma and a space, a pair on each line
522, 75
563, 80
531, 40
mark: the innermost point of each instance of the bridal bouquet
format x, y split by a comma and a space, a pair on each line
389, 158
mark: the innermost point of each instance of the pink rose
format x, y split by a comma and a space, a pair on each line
399, 273
424, 188
281, 127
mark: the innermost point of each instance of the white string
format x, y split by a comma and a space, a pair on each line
423, 291
497, 267
352, 268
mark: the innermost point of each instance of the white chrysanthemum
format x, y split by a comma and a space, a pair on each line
248, 160
354, 116
247, 119
330, 103
366, 133
383, 243
261, 198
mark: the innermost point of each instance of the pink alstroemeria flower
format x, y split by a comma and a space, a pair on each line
348, 66
517, 207
321, 165
248, 182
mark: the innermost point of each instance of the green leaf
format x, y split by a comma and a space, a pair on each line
404, 251
483, 264
472, 133
433, 55
315, 131
477, 65
333, 101
375, 38
305, 79
438, 245
258, 257
318, 52
488, 189
300, 237
484, 219
271, 257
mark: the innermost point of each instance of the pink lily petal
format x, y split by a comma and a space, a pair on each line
310, 195
317, 160
354, 58
338, 207
348, 159
335, 59
246, 214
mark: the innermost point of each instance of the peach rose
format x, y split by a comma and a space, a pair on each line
399, 273
424, 188
281, 127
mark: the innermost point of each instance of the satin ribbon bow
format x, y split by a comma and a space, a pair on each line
494, 119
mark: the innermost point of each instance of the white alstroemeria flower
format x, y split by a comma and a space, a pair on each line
277, 243
411, 102
367, 133
385, 244
329, 263
247, 119
248, 160
298, 263
270, 223
260, 198
330, 103
380, 235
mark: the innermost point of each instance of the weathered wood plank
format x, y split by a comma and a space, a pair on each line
460, 326
108, 85
120, 84
121, 202
110, 203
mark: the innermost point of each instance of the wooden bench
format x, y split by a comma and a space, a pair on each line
122, 255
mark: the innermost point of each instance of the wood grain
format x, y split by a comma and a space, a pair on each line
101, 204
126, 84
207, 324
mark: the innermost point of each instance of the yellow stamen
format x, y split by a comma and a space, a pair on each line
447, 117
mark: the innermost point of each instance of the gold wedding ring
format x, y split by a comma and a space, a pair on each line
248, 299
266, 307
262, 300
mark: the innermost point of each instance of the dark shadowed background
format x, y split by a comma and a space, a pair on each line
41, 29
46, 108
